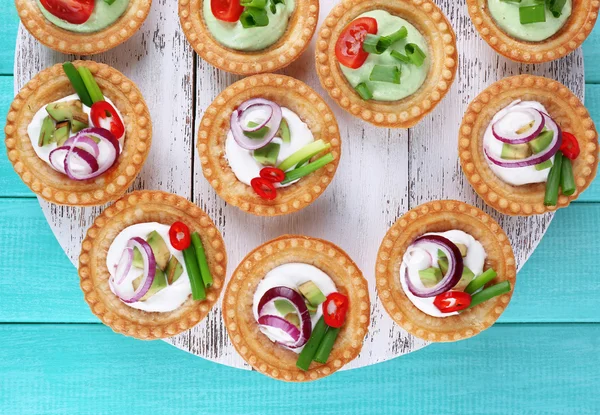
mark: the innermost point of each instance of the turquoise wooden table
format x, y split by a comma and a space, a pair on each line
56, 357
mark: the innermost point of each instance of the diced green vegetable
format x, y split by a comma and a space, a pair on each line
77, 125
364, 91
402, 58
326, 345
381, 73
480, 280
61, 132
159, 282
373, 45
567, 180
490, 292
553, 183
307, 354
109, 2
77, 83
312, 293
193, 270
515, 151
542, 141
174, 270
415, 54
267, 155
258, 133
253, 17
90, 84
543, 166
273, 5
284, 131
556, 7
308, 151
47, 132
394, 37
532, 14
293, 318
300, 172
207, 278
259, 4
284, 307
430, 276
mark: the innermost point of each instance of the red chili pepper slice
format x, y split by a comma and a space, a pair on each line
272, 174
451, 301
73, 11
105, 116
226, 10
570, 146
179, 234
349, 46
264, 188
335, 308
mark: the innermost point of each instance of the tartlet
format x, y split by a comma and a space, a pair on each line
288, 48
562, 105
440, 216
431, 23
70, 42
576, 29
215, 126
52, 84
137, 207
255, 347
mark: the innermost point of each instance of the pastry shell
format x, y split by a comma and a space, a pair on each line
52, 84
139, 207
575, 30
288, 48
562, 105
405, 113
287, 92
440, 216
256, 348
69, 42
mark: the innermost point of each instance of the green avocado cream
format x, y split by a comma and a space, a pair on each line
506, 15
233, 35
104, 15
411, 76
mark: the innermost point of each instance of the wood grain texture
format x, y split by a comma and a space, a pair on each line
73, 369
405, 168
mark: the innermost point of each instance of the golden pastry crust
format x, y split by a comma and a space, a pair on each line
74, 43
287, 49
287, 92
575, 30
405, 113
52, 84
256, 348
562, 105
440, 216
140, 207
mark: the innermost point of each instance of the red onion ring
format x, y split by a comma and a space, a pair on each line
102, 135
525, 137
123, 266
58, 158
258, 126
455, 267
86, 143
149, 271
235, 123
281, 324
536, 158
286, 293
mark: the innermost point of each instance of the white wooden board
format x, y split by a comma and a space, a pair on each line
382, 173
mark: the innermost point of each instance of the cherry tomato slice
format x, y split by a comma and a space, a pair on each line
272, 174
349, 46
335, 308
570, 146
72, 11
226, 10
264, 188
105, 116
451, 301
179, 234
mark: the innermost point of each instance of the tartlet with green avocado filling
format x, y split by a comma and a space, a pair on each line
82, 27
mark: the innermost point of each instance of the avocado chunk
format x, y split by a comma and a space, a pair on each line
66, 111
543, 166
443, 264
77, 125
284, 307
61, 133
258, 133
159, 248
267, 155
430, 276
284, 131
541, 142
174, 270
160, 282
465, 279
293, 318
461, 247
515, 151
311, 308
312, 293
47, 132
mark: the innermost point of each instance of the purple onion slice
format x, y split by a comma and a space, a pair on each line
512, 137
59, 155
123, 266
111, 157
455, 267
281, 324
147, 277
235, 124
85, 143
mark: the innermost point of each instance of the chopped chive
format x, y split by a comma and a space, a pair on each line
207, 278
77, 83
394, 37
258, 133
109, 2
364, 91
532, 14
300, 172
381, 73
253, 17
551, 196
308, 151
193, 270
326, 345
90, 84
372, 44
273, 5
490, 292
415, 54
310, 348
567, 180
259, 4
556, 7
402, 58
480, 280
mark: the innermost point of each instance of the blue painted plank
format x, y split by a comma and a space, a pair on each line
8, 36
520, 369
38, 277
591, 54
